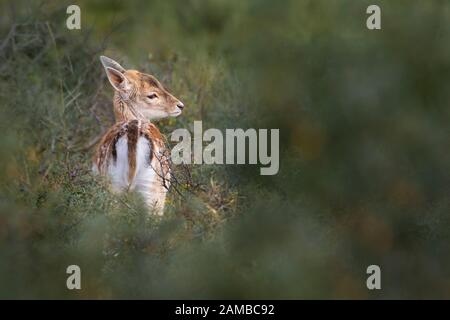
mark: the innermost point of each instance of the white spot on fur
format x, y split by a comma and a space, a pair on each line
145, 175
118, 170
152, 114
94, 169
145, 180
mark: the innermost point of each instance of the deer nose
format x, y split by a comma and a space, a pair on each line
180, 105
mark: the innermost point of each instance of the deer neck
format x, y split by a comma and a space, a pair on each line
124, 109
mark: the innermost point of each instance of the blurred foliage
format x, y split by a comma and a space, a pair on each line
364, 172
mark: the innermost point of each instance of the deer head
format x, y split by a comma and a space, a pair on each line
139, 95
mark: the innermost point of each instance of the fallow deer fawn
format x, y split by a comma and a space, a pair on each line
132, 153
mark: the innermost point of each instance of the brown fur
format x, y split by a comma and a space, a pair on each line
107, 146
132, 137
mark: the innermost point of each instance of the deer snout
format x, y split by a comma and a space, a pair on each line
180, 105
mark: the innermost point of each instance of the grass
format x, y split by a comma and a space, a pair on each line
363, 119
51, 203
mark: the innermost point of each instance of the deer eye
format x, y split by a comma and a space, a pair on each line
152, 96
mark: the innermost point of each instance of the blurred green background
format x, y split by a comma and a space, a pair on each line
364, 138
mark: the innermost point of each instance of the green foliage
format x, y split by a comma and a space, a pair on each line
364, 173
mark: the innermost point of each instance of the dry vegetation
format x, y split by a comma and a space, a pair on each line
364, 162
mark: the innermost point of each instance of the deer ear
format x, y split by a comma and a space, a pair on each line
110, 63
117, 79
